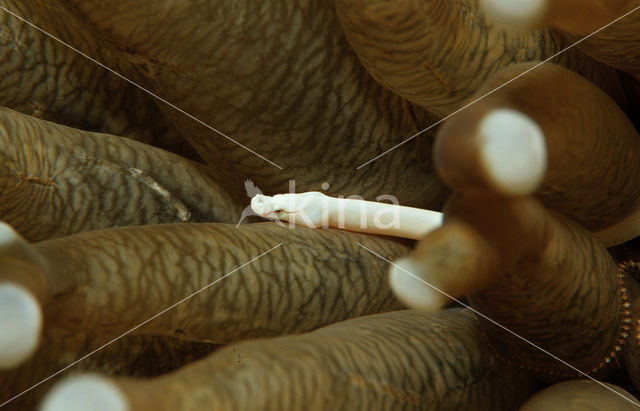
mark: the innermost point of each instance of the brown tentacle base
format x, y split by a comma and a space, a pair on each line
335, 367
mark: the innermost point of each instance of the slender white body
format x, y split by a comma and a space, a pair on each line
317, 210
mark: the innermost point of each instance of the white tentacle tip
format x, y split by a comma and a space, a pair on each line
513, 150
515, 14
405, 279
20, 325
85, 392
8, 235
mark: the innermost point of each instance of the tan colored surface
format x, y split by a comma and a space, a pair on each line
437, 53
383, 362
580, 395
282, 79
593, 174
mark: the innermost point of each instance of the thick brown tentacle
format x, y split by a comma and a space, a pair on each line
59, 181
130, 356
617, 45
606, 30
278, 78
45, 79
408, 47
401, 359
538, 274
592, 173
112, 280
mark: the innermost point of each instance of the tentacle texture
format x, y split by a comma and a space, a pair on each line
59, 181
46, 80
110, 281
407, 46
275, 76
132, 356
296, 83
592, 174
340, 366
510, 255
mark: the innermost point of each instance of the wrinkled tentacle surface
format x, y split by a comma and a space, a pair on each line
407, 47
245, 74
512, 274
44, 79
591, 147
157, 266
345, 365
59, 181
113, 229
131, 356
